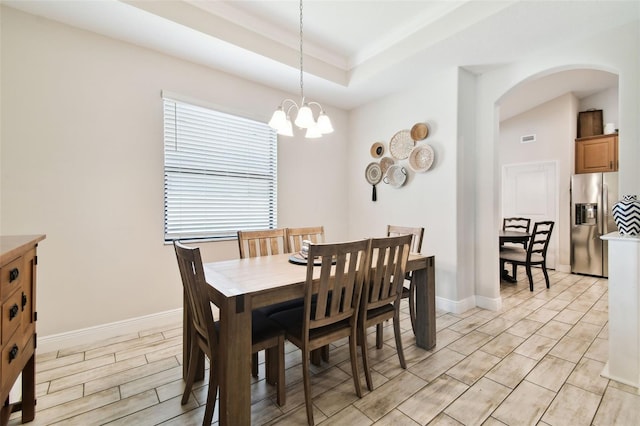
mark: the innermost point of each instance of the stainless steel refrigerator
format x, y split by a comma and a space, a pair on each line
592, 196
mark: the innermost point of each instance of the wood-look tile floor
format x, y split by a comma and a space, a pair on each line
537, 361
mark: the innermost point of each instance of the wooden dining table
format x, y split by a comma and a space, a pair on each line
240, 285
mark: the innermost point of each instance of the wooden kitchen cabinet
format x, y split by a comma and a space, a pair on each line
597, 154
18, 262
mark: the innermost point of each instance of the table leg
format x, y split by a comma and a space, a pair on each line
235, 362
425, 285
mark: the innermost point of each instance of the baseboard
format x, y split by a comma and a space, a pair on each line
56, 342
492, 304
455, 306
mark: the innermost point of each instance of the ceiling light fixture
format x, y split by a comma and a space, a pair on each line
281, 121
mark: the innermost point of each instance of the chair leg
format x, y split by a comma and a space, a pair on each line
271, 365
212, 393
353, 352
412, 305
307, 385
280, 389
396, 332
254, 364
530, 277
546, 275
379, 336
324, 352
191, 374
316, 356
365, 358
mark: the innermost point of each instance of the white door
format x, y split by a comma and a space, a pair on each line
530, 190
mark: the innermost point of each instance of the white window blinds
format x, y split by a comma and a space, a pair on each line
220, 173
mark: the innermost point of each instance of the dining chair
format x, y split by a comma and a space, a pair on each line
295, 236
382, 292
535, 254
407, 292
262, 242
204, 331
331, 303
267, 242
520, 224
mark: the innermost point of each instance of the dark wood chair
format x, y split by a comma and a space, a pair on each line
204, 331
331, 304
407, 292
534, 255
520, 224
383, 291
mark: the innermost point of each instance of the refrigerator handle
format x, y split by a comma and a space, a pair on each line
605, 208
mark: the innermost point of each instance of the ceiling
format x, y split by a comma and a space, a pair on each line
354, 51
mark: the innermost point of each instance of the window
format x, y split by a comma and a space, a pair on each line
220, 173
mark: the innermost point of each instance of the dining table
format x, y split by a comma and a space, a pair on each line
238, 286
518, 237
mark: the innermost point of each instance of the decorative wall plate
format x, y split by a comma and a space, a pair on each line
377, 149
385, 163
421, 158
419, 131
401, 145
395, 176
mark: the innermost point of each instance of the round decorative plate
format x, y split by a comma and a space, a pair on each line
395, 176
373, 173
421, 158
419, 131
377, 149
401, 145
385, 163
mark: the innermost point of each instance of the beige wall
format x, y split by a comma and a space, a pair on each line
82, 161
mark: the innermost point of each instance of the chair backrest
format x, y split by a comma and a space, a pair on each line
334, 295
195, 289
388, 257
295, 236
540, 238
262, 243
416, 241
521, 224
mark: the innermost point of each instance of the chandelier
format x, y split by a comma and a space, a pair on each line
281, 121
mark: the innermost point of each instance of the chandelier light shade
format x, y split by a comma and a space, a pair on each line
304, 119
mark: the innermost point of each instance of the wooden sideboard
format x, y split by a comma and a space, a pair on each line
18, 260
597, 154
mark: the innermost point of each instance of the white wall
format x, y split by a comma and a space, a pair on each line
554, 124
427, 199
82, 161
614, 51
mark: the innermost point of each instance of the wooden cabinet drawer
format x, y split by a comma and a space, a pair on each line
14, 357
11, 316
11, 277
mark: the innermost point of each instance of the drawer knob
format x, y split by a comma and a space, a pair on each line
13, 353
13, 274
13, 311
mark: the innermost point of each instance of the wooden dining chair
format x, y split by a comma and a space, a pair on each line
331, 303
204, 335
407, 292
536, 253
295, 236
267, 242
262, 242
382, 292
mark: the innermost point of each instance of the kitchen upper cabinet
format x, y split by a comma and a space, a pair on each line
597, 154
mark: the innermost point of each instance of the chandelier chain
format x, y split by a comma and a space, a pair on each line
301, 56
